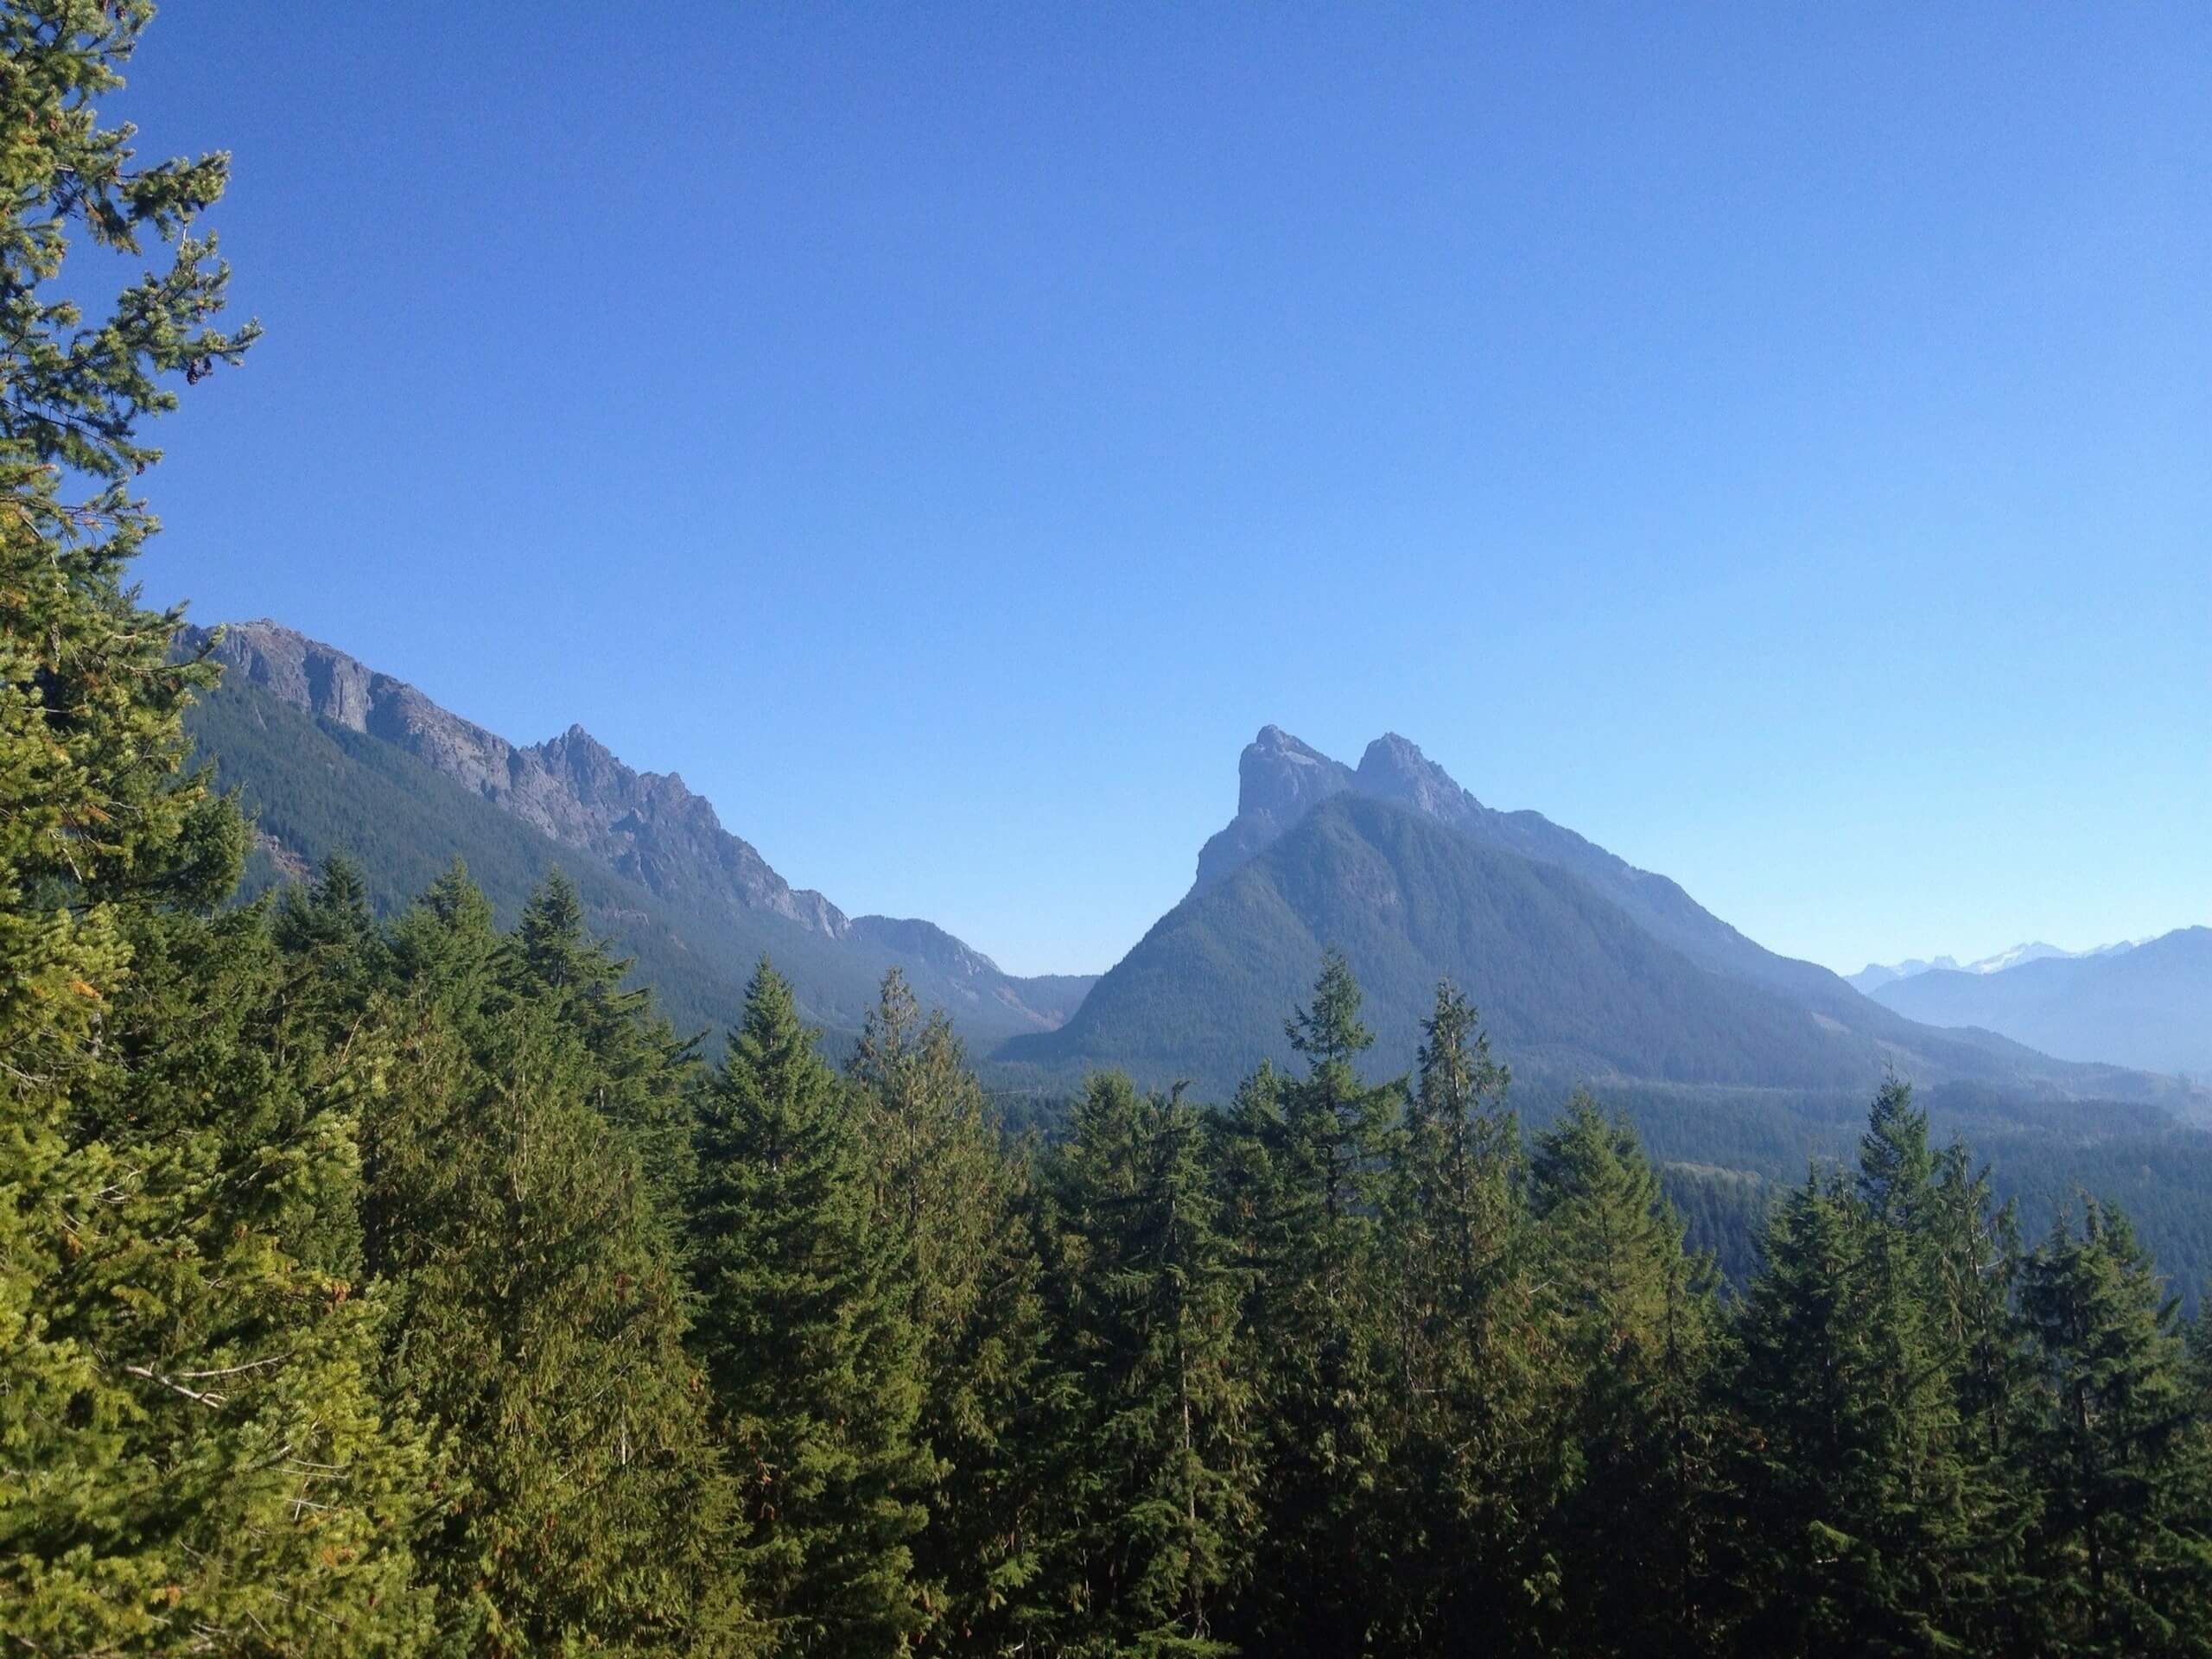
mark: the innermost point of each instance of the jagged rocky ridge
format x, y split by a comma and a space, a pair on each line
647, 826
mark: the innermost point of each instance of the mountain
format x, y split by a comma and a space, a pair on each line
2149, 1005
1876, 975
1279, 778
332, 755
1585, 967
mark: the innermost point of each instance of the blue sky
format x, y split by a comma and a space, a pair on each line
1772, 441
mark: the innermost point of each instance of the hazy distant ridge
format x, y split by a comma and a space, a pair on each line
2147, 1005
1875, 975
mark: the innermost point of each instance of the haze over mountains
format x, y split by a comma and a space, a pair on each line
1876, 975
2147, 1005
1586, 968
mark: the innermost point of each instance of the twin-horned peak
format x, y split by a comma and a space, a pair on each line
1281, 779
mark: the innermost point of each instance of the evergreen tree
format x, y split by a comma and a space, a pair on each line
1976, 1258
1318, 1311
808, 1347
1635, 1447
1864, 1528
1162, 1473
581, 1501
643, 1070
2124, 1544
222, 1470
957, 1212
1469, 1476
192, 1456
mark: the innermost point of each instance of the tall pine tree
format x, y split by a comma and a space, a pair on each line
193, 1455
958, 1210
1161, 1474
808, 1343
1634, 1318
1318, 1308
581, 1500
2123, 1547
1469, 1471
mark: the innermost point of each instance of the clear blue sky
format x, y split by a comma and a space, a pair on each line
1775, 441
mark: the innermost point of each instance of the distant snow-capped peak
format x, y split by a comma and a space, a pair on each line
1875, 974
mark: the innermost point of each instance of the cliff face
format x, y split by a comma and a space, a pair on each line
646, 824
1279, 781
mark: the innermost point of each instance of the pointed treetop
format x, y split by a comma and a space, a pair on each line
1328, 1030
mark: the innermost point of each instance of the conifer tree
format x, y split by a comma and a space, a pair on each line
2123, 1547
1472, 1356
808, 1347
1164, 1463
957, 1211
1976, 1260
581, 1501
193, 1457
444, 952
1864, 1528
234, 1477
643, 1070
1634, 1445
1318, 1309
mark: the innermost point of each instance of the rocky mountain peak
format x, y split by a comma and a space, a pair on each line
1279, 781
1395, 769
1278, 774
573, 787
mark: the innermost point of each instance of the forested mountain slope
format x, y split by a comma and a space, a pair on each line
1281, 779
1571, 984
330, 757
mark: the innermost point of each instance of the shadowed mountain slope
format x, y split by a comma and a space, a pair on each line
331, 755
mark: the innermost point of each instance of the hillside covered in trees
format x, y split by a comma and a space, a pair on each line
411, 1285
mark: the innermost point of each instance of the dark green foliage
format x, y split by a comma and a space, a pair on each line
1317, 1173
542, 1317
191, 1409
1476, 1360
2123, 1547
1627, 1542
190, 1453
1876, 1517
958, 1213
809, 1344
1162, 1461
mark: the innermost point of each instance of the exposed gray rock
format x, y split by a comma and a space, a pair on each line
1279, 781
646, 824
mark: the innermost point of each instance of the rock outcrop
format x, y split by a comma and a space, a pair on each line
1279, 781
646, 824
